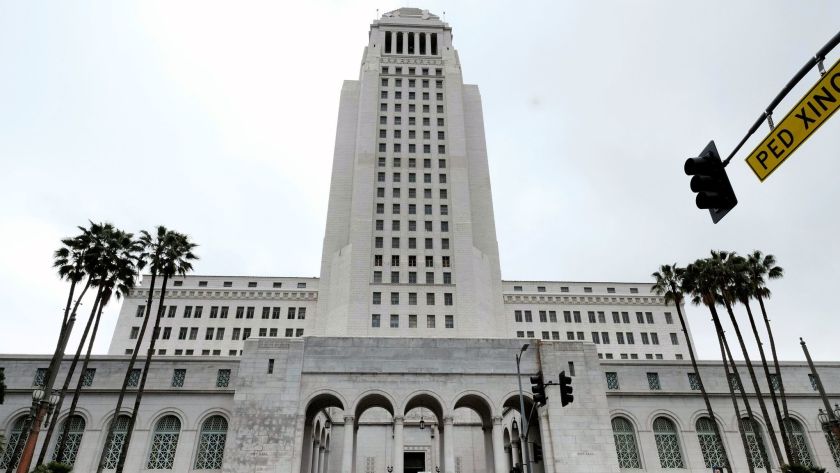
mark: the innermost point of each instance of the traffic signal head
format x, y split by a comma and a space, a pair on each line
566, 389
709, 180
538, 388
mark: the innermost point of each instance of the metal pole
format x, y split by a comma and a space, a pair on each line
833, 421
523, 433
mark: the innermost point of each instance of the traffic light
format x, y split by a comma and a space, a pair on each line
714, 192
538, 388
566, 389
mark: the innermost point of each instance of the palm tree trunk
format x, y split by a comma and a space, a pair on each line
69, 303
774, 441
783, 431
66, 333
722, 342
108, 438
775, 358
139, 398
70, 371
702, 386
62, 445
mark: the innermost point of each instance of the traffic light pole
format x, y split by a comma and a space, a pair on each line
523, 437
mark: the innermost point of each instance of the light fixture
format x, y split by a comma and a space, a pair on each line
327, 423
514, 425
422, 422
54, 398
37, 395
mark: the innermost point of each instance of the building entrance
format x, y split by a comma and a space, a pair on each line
414, 462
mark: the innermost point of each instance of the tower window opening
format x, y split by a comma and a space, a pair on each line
410, 43
433, 38
388, 42
422, 39
399, 43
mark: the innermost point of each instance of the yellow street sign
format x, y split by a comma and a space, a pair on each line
806, 117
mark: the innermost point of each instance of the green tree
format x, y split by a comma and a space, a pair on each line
669, 283
114, 271
169, 254
75, 261
702, 280
732, 281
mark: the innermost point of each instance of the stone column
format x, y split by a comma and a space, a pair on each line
507, 464
398, 444
316, 457
545, 436
448, 445
515, 457
498, 446
325, 467
321, 452
347, 452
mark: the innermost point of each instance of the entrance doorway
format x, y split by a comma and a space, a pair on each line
414, 462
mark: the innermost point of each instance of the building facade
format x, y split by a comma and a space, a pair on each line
400, 356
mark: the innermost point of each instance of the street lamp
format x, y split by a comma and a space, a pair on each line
422, 422
523, 433
514, 425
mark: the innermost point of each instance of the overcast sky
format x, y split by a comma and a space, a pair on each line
218, 119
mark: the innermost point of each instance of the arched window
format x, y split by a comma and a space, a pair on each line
625, 443
164, 443
832, 445
72, 431
799, 444
211, 444
667, 443
117, 440
17, 437
755, 440
710, 445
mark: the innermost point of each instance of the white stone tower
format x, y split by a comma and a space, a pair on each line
410, 245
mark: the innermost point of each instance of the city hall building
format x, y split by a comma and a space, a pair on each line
401, 356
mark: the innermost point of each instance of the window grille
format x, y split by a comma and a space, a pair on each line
799, 444
14, 446
164, 444
612, 380
223, 378
667, 443
755, 441
693, 381
72, 431
211, 444
625, 443
117, 441
710, 445
653, 382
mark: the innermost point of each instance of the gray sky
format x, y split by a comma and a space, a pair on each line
218, 119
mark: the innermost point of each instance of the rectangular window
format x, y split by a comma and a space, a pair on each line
263, 332
693, 381
134, 378
645, 340
447, 298
222, 378
172, 310
567, 316
275, 313
167, 332
630, 340
194, 333
552, 316
602, 318
654, 338
224, 312
235, 335
450, 321
374, 320
266, 312
290, 315
87, 377
178, 377
430, 298
214, 312
395, 321
545, 335
141, 311
570, 335
249, 313
187, 311
543, 316
517, 315
290, 332
182, 333
596, 338
591, 316
412, 320
270, 369
135, 332
395, 298
669, 319
640, 318
220, 333
625, 317
612, 380
605, 338
649, 317
576, 315
528, 316
653, 382
580, 336
674, 339
430, 321
246, 333
377, 298
619, 337
615, 317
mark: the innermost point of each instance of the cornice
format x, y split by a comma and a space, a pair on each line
221, 294
582, 300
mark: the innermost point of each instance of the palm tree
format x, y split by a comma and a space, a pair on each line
701, 280
760, 266
732, 278
176, 256
745, 291
74, 261
116, 272
669, 283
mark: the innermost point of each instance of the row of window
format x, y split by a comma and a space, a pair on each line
412, 162
209, 453
412, 177
376, 321
694, 381
221, 312
412, 278
587, 289
217, 333
574, 316
178, 376
412, 108
622, 338
412, 298
670, 450
383, 94
412, 121
251, 284
396, 193
409, 42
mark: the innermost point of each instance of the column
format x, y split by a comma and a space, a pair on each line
398, 444
545, 437
325, 466
316, 457
347, 452
498, 446
508, 466
448, 445
515, 457
321, 453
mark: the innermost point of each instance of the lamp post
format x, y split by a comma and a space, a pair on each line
41, 405
524, 432
830, 416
